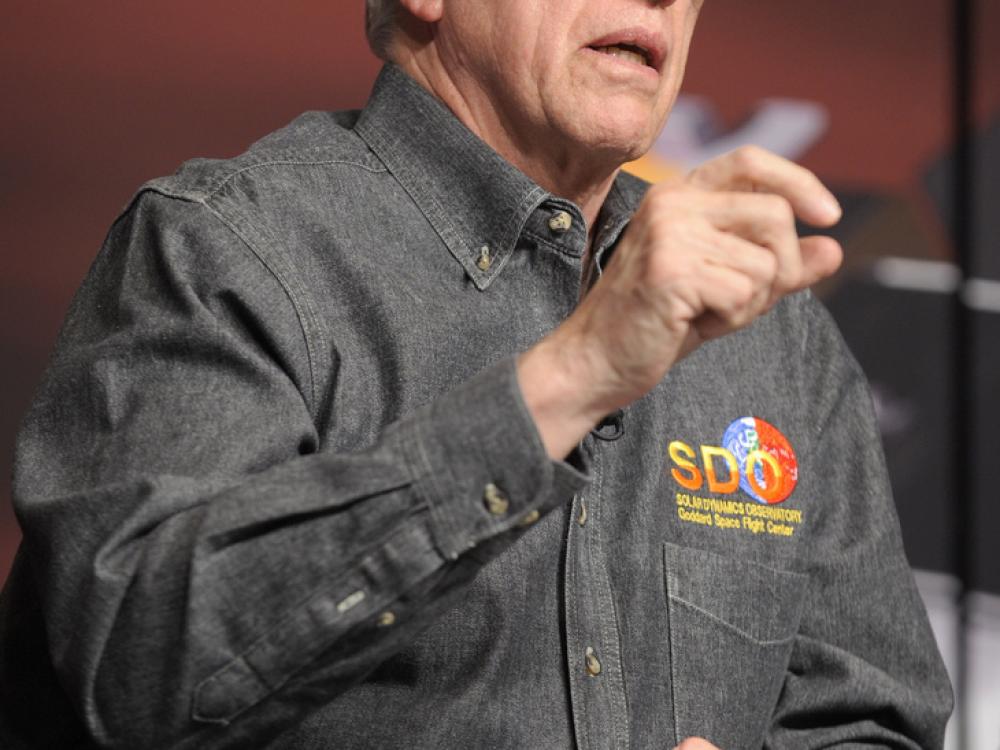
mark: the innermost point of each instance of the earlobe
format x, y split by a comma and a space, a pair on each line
428, 11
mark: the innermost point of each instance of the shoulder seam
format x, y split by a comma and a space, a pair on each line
290, 163
202, 199
287, 289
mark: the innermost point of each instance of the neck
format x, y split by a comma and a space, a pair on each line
551, 164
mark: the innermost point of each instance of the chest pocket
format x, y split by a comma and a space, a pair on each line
732, 624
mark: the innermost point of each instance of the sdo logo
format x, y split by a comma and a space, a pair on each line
754, 457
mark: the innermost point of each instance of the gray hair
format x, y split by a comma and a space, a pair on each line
380, 21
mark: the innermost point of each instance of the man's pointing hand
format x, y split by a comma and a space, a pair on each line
701, 258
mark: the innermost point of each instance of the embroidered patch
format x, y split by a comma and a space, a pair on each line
755, 458
767, 465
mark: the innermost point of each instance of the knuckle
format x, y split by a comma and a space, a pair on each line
740, 295
744, 293
770, 269
779, 210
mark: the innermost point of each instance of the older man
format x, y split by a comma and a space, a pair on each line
423, 426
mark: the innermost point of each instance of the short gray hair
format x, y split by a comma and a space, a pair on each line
380, 22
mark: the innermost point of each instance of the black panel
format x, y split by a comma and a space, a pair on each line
902, 340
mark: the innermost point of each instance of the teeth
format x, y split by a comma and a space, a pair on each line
627, 54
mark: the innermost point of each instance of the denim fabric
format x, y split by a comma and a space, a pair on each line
279, 487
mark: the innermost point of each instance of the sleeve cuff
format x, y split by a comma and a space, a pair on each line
482, 469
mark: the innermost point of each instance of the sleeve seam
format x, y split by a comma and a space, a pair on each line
286, 287
301, 315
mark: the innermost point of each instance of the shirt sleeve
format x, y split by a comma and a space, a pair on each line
208, 572
864, 668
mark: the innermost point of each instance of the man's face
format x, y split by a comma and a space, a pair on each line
599, 75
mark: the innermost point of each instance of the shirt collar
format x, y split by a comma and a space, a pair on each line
472, 197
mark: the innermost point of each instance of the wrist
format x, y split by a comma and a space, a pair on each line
558, 382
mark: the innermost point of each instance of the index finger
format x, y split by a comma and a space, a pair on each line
753, 169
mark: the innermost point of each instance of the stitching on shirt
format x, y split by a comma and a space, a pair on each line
578, 702
437, 217
434, 214
291, 163
534, 198
273, 684
621, 667
835, 407
608, 596
846, 384
561, 249
671, 632
201, 199
766, 643
589, 550
287, 288
440, 522
448, 523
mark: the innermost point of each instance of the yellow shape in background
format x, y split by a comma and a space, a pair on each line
653, 168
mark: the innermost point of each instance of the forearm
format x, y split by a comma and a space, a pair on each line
196, 601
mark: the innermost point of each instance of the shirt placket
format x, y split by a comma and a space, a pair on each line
593, 642
596, 678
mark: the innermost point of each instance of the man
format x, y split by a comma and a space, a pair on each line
425, 427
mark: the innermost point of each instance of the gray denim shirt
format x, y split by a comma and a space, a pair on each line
279, 486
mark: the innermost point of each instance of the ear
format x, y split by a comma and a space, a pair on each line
428, 11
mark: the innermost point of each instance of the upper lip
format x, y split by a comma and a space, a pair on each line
650, 44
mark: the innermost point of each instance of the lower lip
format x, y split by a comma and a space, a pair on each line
626, 65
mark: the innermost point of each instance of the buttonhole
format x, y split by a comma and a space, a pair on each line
611, 427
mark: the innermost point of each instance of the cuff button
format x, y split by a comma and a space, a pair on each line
530, 517
495, 501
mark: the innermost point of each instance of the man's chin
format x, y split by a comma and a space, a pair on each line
617, 144
618, 124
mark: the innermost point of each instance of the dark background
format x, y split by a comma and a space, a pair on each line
99, 96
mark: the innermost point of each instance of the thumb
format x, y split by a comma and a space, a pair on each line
821, 257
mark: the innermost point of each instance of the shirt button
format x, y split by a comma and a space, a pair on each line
593, 663
386, 619
560, 221
485, 259
582, 518
495, 501
530, 518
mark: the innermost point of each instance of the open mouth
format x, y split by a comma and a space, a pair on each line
630, 52
638, 45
